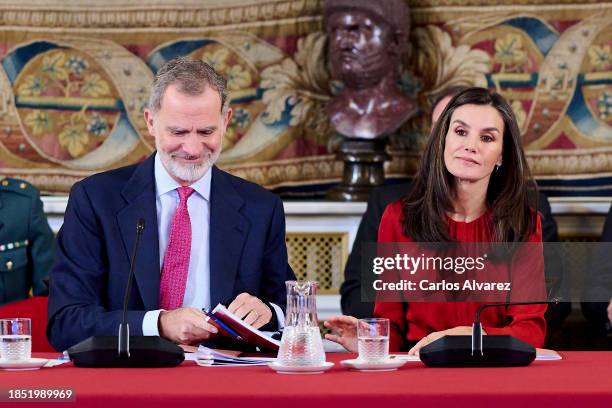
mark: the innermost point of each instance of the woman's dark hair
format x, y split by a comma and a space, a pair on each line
426, 205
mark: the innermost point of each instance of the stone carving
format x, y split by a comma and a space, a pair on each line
366, 41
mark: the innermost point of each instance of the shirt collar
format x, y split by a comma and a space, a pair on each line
164, 183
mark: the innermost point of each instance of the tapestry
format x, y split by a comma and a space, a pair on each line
74, 79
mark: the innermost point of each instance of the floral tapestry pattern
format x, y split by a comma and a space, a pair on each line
71, 104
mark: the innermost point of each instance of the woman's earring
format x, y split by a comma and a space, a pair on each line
497, 166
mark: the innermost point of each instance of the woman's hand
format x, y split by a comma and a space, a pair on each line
345, 331
455, 331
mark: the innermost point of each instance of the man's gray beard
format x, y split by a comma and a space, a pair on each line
190, 172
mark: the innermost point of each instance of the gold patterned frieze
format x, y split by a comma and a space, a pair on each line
187, 14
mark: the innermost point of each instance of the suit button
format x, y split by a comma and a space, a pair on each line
9, 265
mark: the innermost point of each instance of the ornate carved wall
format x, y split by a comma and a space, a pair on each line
74, 79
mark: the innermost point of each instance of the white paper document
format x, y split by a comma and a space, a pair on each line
405, 357
206, 357
547, 355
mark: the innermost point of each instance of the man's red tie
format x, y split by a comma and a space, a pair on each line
176, 260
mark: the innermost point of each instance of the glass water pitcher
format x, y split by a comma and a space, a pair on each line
301, 344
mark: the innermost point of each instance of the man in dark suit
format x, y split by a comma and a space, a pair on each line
209, 237
26, 241
351, 289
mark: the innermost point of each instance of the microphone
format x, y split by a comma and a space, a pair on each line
111, 351
124, 327
478, 350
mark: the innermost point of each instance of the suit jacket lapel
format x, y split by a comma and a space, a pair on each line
139, 193
228, 231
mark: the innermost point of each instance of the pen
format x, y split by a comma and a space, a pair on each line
221, 324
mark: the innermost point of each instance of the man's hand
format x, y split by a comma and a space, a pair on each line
455, 331
186, 325
250, 309
610, 311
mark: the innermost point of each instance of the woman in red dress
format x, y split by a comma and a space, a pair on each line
472, 186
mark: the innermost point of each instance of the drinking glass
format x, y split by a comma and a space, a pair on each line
373, 340
15, 339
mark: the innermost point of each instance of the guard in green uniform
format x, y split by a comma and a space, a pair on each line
26, 241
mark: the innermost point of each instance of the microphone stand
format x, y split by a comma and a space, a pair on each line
469, 351
116, 351
477, 327
124, 327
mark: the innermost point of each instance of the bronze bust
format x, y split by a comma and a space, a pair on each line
366, 41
